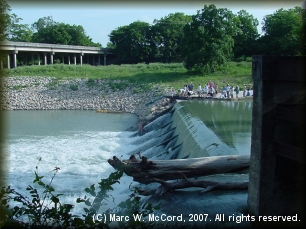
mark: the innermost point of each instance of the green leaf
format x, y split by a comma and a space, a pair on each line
55, 199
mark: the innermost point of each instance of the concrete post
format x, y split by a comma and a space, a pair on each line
68, 59
74, 58
38, 58
276, 177
51, 57
15, 58
81, 58
104, 59
45, 58
8, 61
63, 59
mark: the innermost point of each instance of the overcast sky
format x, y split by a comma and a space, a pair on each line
99, 19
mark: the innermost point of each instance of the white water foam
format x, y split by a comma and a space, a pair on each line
82, 159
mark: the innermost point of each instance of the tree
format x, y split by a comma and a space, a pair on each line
283, 32
208, 39
48, 31
168, 35
43, 23
17, 31
246, 36
4, 19
110, 45
132, 42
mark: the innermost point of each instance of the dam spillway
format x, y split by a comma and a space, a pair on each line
201, 128
198, 129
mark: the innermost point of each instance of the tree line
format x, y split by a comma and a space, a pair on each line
202, 41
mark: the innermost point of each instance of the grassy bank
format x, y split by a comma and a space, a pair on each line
173, 75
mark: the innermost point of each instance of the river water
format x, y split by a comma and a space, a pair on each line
80, 142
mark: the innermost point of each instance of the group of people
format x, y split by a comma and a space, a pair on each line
228, 91
187, 90
211, 90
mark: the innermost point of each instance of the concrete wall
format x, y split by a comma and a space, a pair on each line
277, 180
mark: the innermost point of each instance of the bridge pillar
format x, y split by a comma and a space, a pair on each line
105, 59
8, 61
81, 58
63, 59
74, 58
38, 58
51, 57
68, 59
45, 58
15, 58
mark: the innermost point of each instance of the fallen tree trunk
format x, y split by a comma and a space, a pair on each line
145, 171
207, 185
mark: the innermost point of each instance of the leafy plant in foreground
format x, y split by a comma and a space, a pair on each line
100, 196
43, 208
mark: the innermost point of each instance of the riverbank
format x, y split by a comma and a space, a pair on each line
48, 93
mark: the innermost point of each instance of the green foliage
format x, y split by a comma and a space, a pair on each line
17, 31
209, 42
246, 35
43, 23
73, 87
143, 88
19, 87
100, 196
43, 207
168, 35
284, 32
90, 82
60, 33
133, 207
132, 42
53, 84
121, 85
140, 77
5, 19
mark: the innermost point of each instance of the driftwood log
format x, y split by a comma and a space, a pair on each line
146, 171
207, 185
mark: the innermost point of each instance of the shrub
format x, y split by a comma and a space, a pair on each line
73, 87
44, 209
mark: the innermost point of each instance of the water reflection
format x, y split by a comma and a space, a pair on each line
213, 123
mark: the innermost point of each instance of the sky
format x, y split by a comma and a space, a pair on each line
99, 18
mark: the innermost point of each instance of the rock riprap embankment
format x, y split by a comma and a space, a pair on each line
48, 93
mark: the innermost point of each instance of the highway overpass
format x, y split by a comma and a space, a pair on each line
16, 54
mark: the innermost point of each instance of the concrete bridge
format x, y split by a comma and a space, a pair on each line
27, 53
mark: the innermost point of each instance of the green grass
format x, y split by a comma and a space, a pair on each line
172, 75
